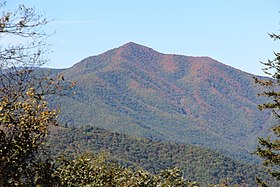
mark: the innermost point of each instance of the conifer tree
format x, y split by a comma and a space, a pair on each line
269, 148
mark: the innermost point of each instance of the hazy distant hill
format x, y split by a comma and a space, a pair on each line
136, 90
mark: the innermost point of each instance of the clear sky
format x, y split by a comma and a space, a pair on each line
233, 32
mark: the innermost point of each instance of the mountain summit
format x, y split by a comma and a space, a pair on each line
136, 90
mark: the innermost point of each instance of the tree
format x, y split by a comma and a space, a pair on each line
269, 148
24, 112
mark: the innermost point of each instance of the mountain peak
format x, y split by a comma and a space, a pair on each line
134, 52
131, 44
135, 46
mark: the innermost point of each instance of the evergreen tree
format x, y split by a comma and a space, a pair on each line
269, 148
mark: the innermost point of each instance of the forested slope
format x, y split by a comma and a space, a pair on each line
196, 163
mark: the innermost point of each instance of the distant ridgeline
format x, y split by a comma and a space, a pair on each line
197, 163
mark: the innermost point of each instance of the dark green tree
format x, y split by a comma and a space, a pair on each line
269, 148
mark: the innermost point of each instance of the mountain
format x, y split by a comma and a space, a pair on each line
136, 90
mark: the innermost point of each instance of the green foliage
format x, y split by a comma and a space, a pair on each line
196, 163
24, 126
268, 148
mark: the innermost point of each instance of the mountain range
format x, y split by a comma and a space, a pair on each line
138, 91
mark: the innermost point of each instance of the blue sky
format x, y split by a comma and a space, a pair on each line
232, 32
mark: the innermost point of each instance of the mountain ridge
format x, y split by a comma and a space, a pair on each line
137, 47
